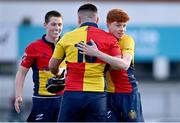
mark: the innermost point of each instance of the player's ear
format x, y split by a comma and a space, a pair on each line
97, 19
79, 20
108, 25
45, 24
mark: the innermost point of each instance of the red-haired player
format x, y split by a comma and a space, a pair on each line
124, 103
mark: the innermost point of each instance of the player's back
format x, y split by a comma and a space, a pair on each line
86, 73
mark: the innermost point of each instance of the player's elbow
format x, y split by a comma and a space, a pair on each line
120, 66
125, 67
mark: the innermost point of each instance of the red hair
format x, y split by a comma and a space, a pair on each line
117, 15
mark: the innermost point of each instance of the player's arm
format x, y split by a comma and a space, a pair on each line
116, 62
54, 66
19, 83
56, 59
125, 61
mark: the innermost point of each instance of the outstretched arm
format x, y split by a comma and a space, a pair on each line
115, 62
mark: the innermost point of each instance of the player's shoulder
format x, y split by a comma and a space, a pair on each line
71, 34
106, 34
35, 43
128, 38
110, 36
68, 34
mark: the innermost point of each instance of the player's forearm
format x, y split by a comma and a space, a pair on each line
18, 89
54, 65
19, 83
115, 62
54, 70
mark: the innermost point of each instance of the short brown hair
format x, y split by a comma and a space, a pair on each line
117, 15
50, 14
88, 7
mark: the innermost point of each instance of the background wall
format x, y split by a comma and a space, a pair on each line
152, 13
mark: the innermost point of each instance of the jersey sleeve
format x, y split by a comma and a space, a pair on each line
59, 52
128, 46
28, 57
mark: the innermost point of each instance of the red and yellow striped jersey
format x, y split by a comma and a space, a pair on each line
85, 73
37, 56
122, 81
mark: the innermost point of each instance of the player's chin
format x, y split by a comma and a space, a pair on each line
120, 36
117, 36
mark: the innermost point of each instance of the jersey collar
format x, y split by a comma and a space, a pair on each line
50, 43
89, 24
44, 39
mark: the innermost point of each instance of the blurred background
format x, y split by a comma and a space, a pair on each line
154, 25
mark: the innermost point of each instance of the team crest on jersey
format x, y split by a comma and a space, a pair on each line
132, 114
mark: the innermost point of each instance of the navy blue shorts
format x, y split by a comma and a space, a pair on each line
83, 107
122, 107
45, 109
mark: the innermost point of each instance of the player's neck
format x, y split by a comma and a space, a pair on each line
49, 39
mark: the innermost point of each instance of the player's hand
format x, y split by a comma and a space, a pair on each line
87, 49
18, 103
61, 73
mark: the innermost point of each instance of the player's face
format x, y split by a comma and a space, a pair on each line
117, 29
54, 28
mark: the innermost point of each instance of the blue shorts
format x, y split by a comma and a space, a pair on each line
45, 109
83, 107
124, 107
